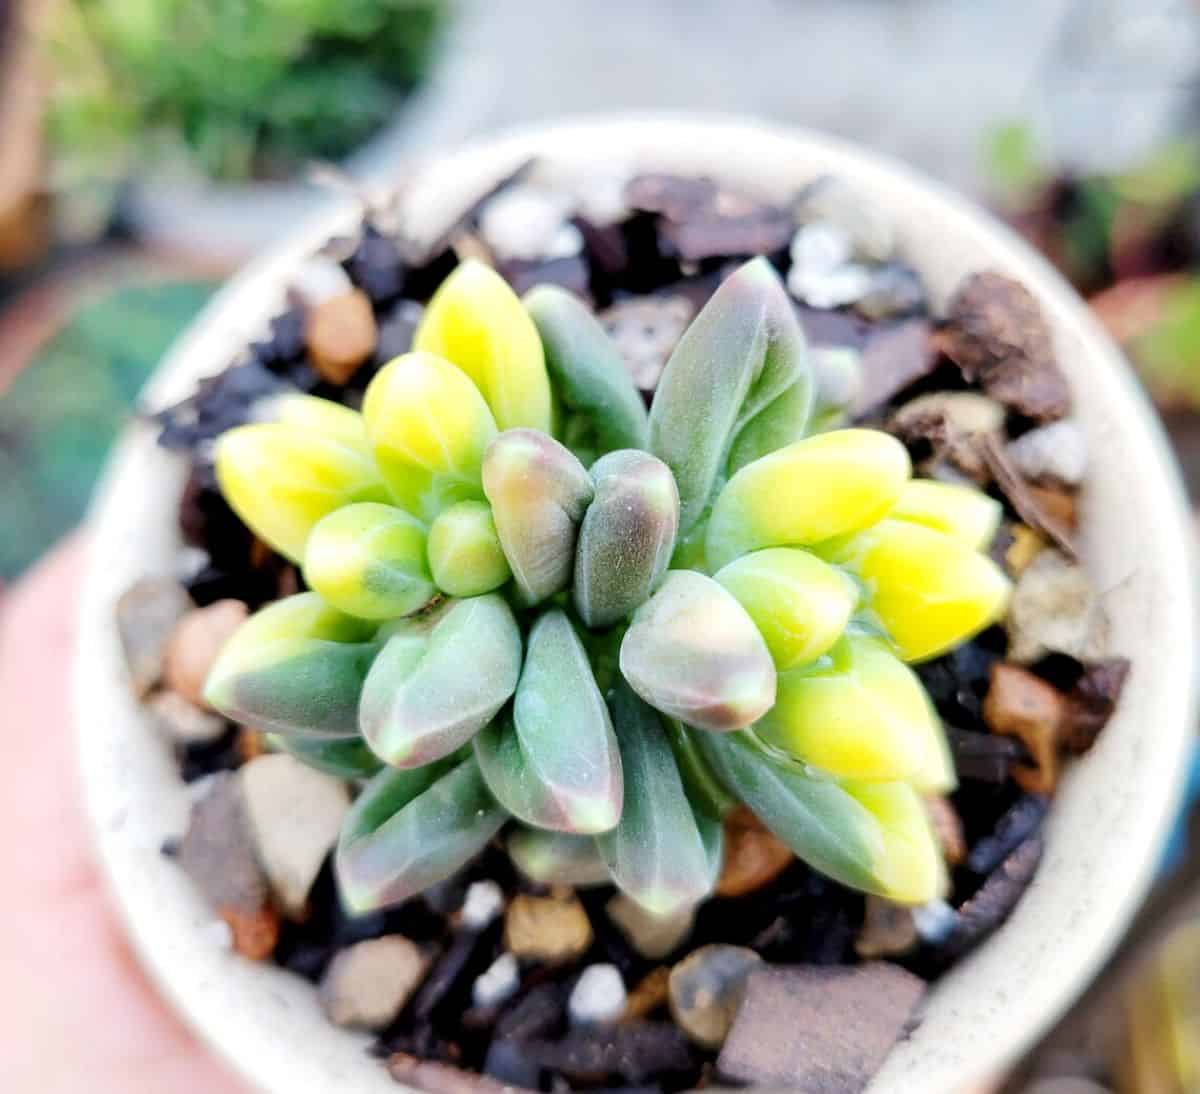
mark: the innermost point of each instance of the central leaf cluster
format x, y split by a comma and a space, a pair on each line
532, 599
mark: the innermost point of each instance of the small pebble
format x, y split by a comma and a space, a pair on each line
183, 722
598, 997
895, 291
650, 935
341, 334
820, 248
367, 984
934, 921
547, 929
295, 815
833, 289
318, 278
1054, 609
530, 222
649, 994
483, 903
147, 614
888, 930
1022, 705
646, 330
194, 644
706, 988
947, 828
498, 984
1057, 452
754, 857
835, 202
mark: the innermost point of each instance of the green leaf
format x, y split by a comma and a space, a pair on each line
626, 538
408, 830
587, 371
539, 492
440, 679
345, 757
297, 667
662, 852
694, 654
555, 764
742, 352
465, 556
557, 858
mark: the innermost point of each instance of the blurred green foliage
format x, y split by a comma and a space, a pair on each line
62, 412
231, 89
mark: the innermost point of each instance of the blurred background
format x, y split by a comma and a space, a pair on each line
147, 147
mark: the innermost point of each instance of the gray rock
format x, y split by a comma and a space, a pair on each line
825, 1030
217, 853
650, 935
834, 202
183, 722
598, 997
895, 290
498, 984
367, 985
1054, 609
483, 903
705, 991
646, 330
836, 288
1057, 452
146, 615
295, 815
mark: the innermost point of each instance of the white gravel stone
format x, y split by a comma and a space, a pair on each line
1057, 451
820, 248
530, 222
830, 289
598, 997
482, 905
498, 984
1054, 609
318, 278
295, 815
934, 921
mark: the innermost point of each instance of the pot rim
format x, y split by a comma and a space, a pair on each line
1114, 810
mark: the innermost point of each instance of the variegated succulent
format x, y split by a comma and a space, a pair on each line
533, 600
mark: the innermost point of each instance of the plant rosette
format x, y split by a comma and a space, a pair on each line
577, 599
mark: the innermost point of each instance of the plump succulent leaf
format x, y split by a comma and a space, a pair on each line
743, 351
874, 837
369, 560
281, 479
928, 590
477, 322
428, 428
588, 372
296, 667
693, 653
538, 491
786, 419
961, 512
317, 417
658, 854
555, 764
439, 679
408, 830
626, 538
557, 858
859, 713
810, 491
342, 757
800, 604
465, 556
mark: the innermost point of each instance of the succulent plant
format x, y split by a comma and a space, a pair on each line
533, 601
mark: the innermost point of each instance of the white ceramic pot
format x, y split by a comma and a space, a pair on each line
1109, 819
